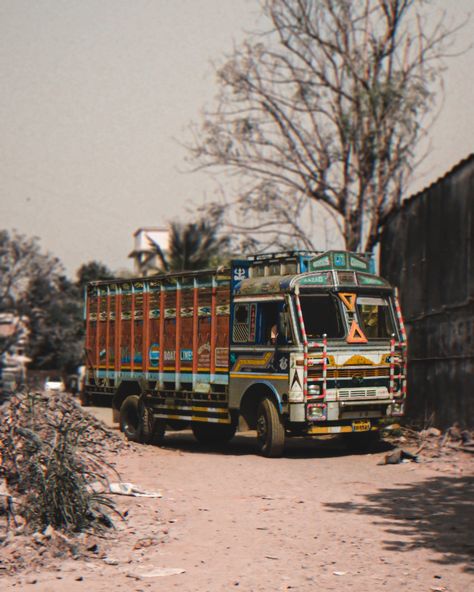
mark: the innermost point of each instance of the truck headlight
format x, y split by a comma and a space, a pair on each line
314, 390
396, 409
316, 412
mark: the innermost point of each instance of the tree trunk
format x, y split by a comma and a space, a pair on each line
352, 230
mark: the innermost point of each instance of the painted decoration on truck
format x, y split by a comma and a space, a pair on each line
317, 279
339, 259
154, 355
370, 280
125, 354
358, 263
240, 271
319, 262
222, 357
169, 355
186, 355
253, 361
204, 355
111, 342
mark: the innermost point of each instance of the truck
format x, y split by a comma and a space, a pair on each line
289, 344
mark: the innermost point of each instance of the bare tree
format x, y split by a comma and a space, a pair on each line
325, 108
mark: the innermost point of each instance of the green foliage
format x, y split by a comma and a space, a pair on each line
91, 272
20, 261
33, 287
56, 323
192, 246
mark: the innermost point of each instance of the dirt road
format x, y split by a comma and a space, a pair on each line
319, 518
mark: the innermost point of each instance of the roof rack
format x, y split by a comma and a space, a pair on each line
283, 255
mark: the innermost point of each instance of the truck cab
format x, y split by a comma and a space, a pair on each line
324, 342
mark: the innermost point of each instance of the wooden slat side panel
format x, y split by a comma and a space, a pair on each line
126, 332
169, 354
186, 321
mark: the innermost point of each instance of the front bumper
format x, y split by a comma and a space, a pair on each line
358, 404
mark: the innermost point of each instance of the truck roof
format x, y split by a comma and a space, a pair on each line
272, 273
330, 279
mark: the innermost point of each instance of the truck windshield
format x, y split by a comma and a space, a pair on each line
321, 314
375, 318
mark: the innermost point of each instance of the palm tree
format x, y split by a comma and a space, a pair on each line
193, 246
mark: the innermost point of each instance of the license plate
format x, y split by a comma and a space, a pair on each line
361, 426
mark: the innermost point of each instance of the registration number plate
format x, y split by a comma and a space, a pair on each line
361, 426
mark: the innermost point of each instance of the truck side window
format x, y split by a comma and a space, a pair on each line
270, 330
243, 330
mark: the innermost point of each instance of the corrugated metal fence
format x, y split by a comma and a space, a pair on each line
427, 251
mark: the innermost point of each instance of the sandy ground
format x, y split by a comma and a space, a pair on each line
319, 518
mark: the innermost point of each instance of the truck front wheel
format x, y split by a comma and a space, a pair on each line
270, 430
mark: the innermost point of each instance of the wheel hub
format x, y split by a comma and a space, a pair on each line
261, 428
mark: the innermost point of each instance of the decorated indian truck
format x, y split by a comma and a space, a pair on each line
287, 344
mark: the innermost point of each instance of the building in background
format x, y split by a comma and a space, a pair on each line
13, 360
149, 240
427, 250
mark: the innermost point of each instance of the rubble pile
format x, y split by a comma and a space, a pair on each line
429, 443
51, 463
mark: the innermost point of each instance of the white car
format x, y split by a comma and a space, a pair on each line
54, 384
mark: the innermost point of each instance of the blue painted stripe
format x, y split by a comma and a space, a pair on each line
167, 376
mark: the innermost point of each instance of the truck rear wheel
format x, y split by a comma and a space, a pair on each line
130, 418
138, 424
153, 429
270, 430
213, 433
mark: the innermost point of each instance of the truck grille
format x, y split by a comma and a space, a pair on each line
317, 372
360, 393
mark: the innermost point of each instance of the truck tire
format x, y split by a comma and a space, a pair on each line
270, 430
138, 423
130, 422
213, 433
153, 429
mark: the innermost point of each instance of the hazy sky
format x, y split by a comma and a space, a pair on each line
94, 93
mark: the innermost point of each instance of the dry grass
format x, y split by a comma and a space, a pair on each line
49, 464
